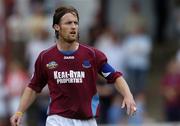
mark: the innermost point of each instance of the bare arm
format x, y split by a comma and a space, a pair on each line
128, 100
27, 99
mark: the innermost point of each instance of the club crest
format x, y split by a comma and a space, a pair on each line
86, 64
52, 65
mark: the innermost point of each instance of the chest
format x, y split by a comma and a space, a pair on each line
70, 68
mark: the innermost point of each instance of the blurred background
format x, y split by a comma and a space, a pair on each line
141, 38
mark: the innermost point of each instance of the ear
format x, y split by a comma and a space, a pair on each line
56, 27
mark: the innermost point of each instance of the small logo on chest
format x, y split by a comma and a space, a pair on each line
68, 57
86, 64
52, 65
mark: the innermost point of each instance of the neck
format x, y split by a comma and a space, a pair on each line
65, 46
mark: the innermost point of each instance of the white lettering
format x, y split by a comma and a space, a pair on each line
55, 75
69, 77
82, 74
68, 57
71, 73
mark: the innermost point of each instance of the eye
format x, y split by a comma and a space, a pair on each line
69, 22
76, 22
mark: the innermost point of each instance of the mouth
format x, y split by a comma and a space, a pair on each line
73, 32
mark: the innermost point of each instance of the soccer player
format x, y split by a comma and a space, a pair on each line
70, 69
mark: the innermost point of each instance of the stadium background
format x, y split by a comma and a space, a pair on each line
26, 28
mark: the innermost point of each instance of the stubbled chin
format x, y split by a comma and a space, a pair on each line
71, 40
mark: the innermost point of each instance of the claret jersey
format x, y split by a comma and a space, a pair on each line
71, 79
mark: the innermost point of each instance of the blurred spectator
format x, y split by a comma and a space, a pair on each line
138, 46
115, 112
178, 56
177, 22
135, 19
17, 27
16, 80
96, 29
37, 20
9, 5
40, 42
3, 93
2, 65
2, 21
94, 33
171, 91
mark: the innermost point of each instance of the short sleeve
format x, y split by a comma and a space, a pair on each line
104, 69
38, 80
101, 59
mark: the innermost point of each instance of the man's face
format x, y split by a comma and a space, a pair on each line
68, 27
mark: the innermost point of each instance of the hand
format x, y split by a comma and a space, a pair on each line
16, 119
130, 105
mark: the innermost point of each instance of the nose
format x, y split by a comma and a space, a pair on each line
74, 25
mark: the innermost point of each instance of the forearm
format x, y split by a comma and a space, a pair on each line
27, 99
122, 87
128, 100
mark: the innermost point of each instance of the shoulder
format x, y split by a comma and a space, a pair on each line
91, 49
86, 47
48, 51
